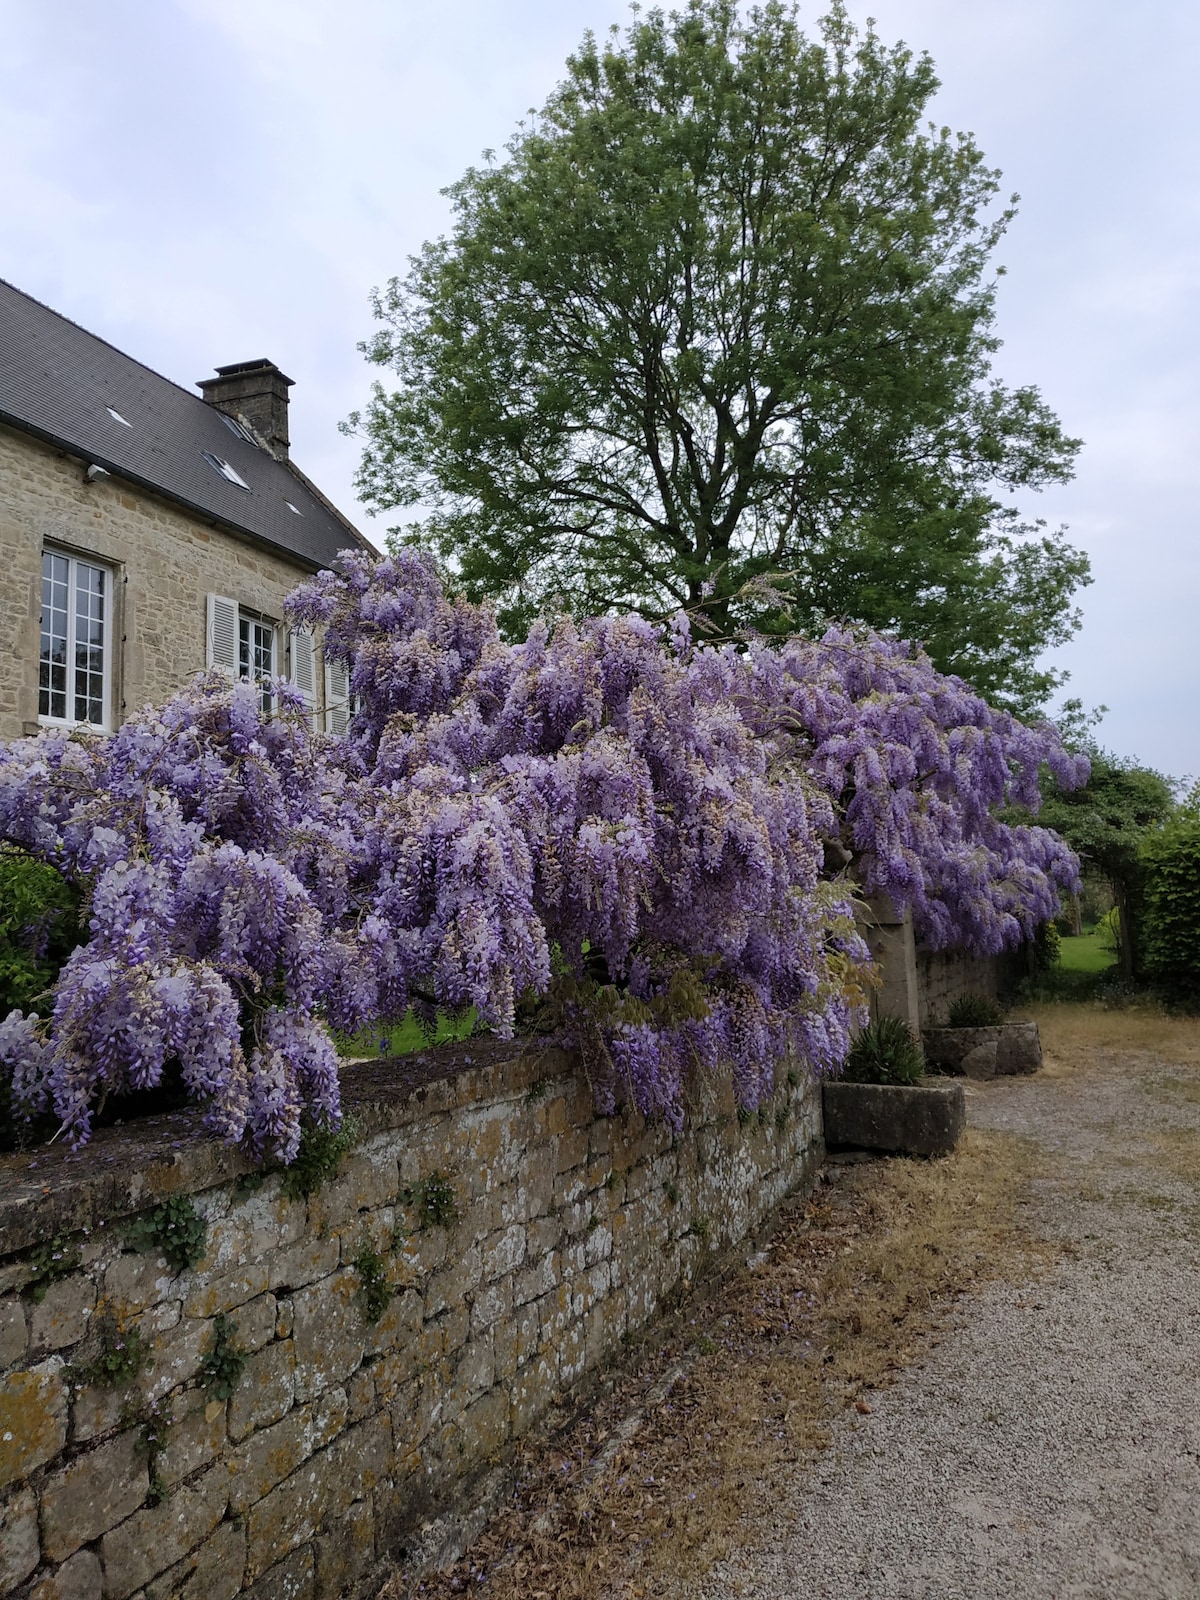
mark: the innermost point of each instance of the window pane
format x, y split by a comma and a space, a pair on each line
89, 643
52, 661
256, 656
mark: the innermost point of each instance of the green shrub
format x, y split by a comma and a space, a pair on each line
885, 1052
322, 1147
221, 1371
1171, 910
175, 1229
974, 1011
39, 927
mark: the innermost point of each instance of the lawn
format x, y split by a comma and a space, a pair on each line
406, 1037
1086, 952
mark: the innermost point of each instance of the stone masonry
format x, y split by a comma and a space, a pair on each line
166, 562
342, 1436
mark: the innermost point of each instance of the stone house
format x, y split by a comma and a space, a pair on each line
146, 532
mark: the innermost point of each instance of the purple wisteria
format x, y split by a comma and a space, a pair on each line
606, 824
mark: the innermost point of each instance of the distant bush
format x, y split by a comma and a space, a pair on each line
885, 1052
974, 1011
39, 927
1171, 909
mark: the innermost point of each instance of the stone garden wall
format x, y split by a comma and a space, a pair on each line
506, 1239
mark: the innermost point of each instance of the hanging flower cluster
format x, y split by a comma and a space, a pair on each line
604, 821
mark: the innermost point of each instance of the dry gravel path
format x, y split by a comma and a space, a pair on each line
1049, 1446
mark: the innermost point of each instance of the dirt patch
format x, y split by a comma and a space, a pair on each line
846, 1296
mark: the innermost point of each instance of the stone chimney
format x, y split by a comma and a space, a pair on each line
254, 392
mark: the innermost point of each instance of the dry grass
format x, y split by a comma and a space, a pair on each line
1072, 1033
852, 1289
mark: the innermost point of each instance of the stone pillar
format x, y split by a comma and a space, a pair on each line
889, 935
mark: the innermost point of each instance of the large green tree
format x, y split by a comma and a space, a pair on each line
725, 312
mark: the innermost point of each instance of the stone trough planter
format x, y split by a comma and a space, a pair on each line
996, 1052
923, 1119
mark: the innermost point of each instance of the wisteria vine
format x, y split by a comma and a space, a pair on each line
643, 839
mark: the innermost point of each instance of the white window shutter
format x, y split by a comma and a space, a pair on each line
222, 635
304, 665
337, 697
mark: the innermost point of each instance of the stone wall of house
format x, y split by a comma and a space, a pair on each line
165, 563
341, 1434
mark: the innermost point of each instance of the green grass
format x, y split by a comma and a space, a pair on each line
408, 1036
1086, 952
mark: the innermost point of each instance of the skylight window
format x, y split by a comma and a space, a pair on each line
236, 428
117, 417
226, 471
295, 510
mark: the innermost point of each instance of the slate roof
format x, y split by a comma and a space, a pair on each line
57, 382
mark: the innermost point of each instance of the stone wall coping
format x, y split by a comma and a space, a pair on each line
123, 1169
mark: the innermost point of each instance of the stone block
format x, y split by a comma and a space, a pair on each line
320, 1491
33, 1418
491, 1304
196, 1437
157, 1537
92, 1494
360, 1394
225, 1291
62, 1317
213, 1571
265, 1392
290, 1579
80, 1578
14, 1340
454, 1282
267, 1458
303, 1263
982, 1053
923, 1120
515, 1341
346, 1553
328, 1333
136, 1281
176, 1356
503, 1253
256, 1322
399, 1324
18, 1538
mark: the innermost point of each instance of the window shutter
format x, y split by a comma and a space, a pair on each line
222, 635
337, 697
304, 665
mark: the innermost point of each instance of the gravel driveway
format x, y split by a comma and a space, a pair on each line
1049, 1446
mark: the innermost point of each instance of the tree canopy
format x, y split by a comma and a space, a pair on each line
724, 312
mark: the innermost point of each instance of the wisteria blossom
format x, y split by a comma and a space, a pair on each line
642, 840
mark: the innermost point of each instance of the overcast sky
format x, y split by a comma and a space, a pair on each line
205, 181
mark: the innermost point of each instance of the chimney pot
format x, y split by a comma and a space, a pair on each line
256, 393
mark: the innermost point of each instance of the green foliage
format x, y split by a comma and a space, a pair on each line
319, 1157
1171, 925
885, 1052
56, 1259
718, 331
434, 1201
701, 1227
221, 1370
175, 1229
39, 927
154, 1422
376, 1293
974, 1011
120, 1357
671, 1190
537, 1090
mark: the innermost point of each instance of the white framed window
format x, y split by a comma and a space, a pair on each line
75, 660
256, 656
